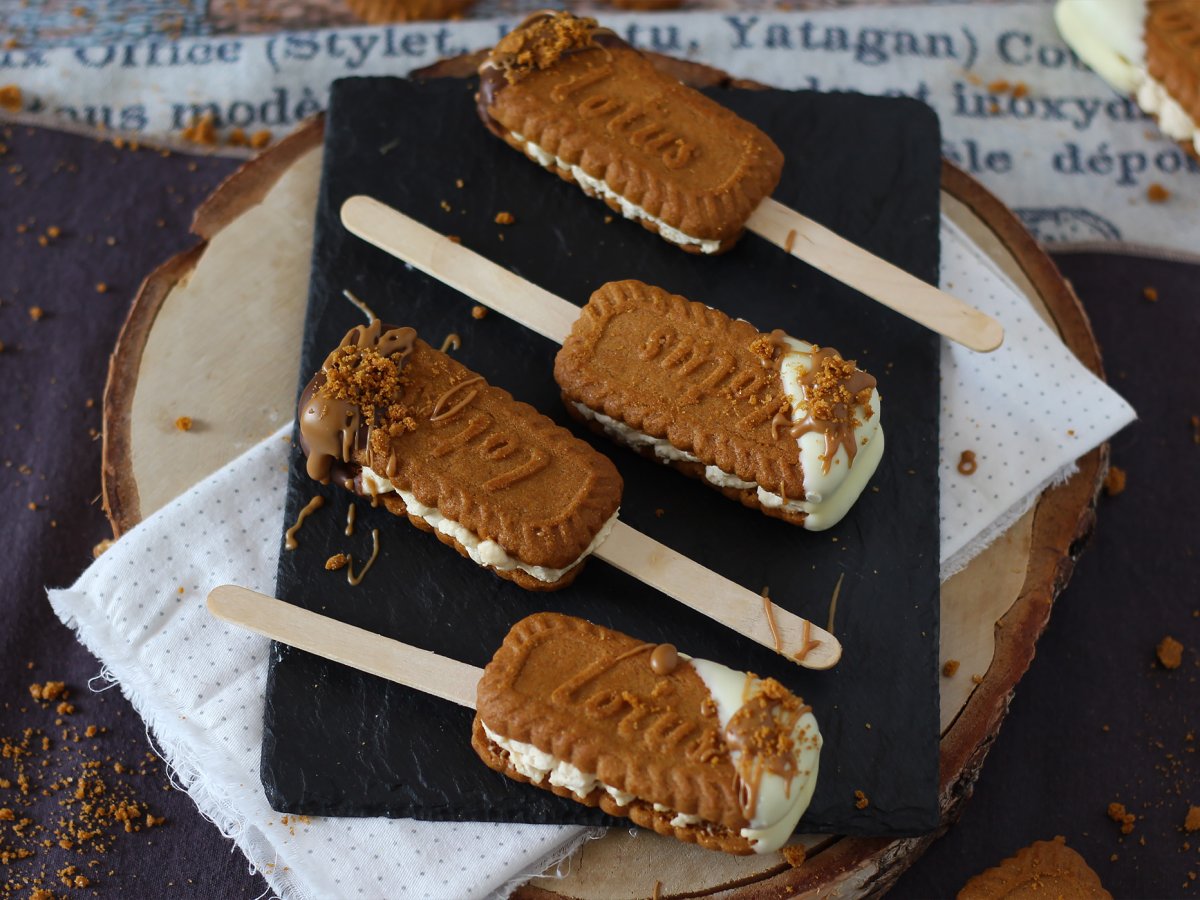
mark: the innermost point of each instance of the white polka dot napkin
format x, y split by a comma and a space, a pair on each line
199, 684
1026, 411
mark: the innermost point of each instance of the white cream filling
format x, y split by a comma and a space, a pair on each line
536, 765
485, 552
780, 803
1109, 37
1173, 119
598, 186
828, 495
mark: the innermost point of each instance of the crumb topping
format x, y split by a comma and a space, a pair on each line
364, 377
541, 41
794, 855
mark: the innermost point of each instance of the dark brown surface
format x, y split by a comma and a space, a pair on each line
54, 371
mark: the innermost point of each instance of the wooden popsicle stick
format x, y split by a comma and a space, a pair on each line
878, 279
464, 270
644, 558
355, 647
722, 600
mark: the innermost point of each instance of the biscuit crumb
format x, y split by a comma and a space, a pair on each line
101, 287
237, 138
1196, 429
1192, 822
504, 218
861, 801
202, 131
10, 98
1169, 652
50, 691
260, 139
539, 42
999, 86
101, 547
445, 205
1020, 89
454, 238
659, 513
950, 669
479, 312
36, 313
1156, 193
1150, 293
977, 679
967, 464
794, 855
1114, 481
337, 561
184, 423
1118, 813
458, 183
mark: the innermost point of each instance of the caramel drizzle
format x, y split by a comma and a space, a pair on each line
362, 307
664, 660
356, 580
538, 460
769, 610
452, 342
330, 428
837, 590
807, 643
839, 428
761, 730
351, 512
440, 413
289, 537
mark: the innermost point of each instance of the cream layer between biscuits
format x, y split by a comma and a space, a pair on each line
484, 552
828, 494
780, 802
598, 186
1109, 37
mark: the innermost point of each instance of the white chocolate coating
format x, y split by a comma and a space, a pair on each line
780, 803
1108, 35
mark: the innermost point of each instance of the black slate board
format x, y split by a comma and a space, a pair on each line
337, 742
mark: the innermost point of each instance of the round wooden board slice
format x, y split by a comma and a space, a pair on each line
238, 301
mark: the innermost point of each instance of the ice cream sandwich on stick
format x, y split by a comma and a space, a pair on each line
781, 425
579, 101
391, 418
687, 747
